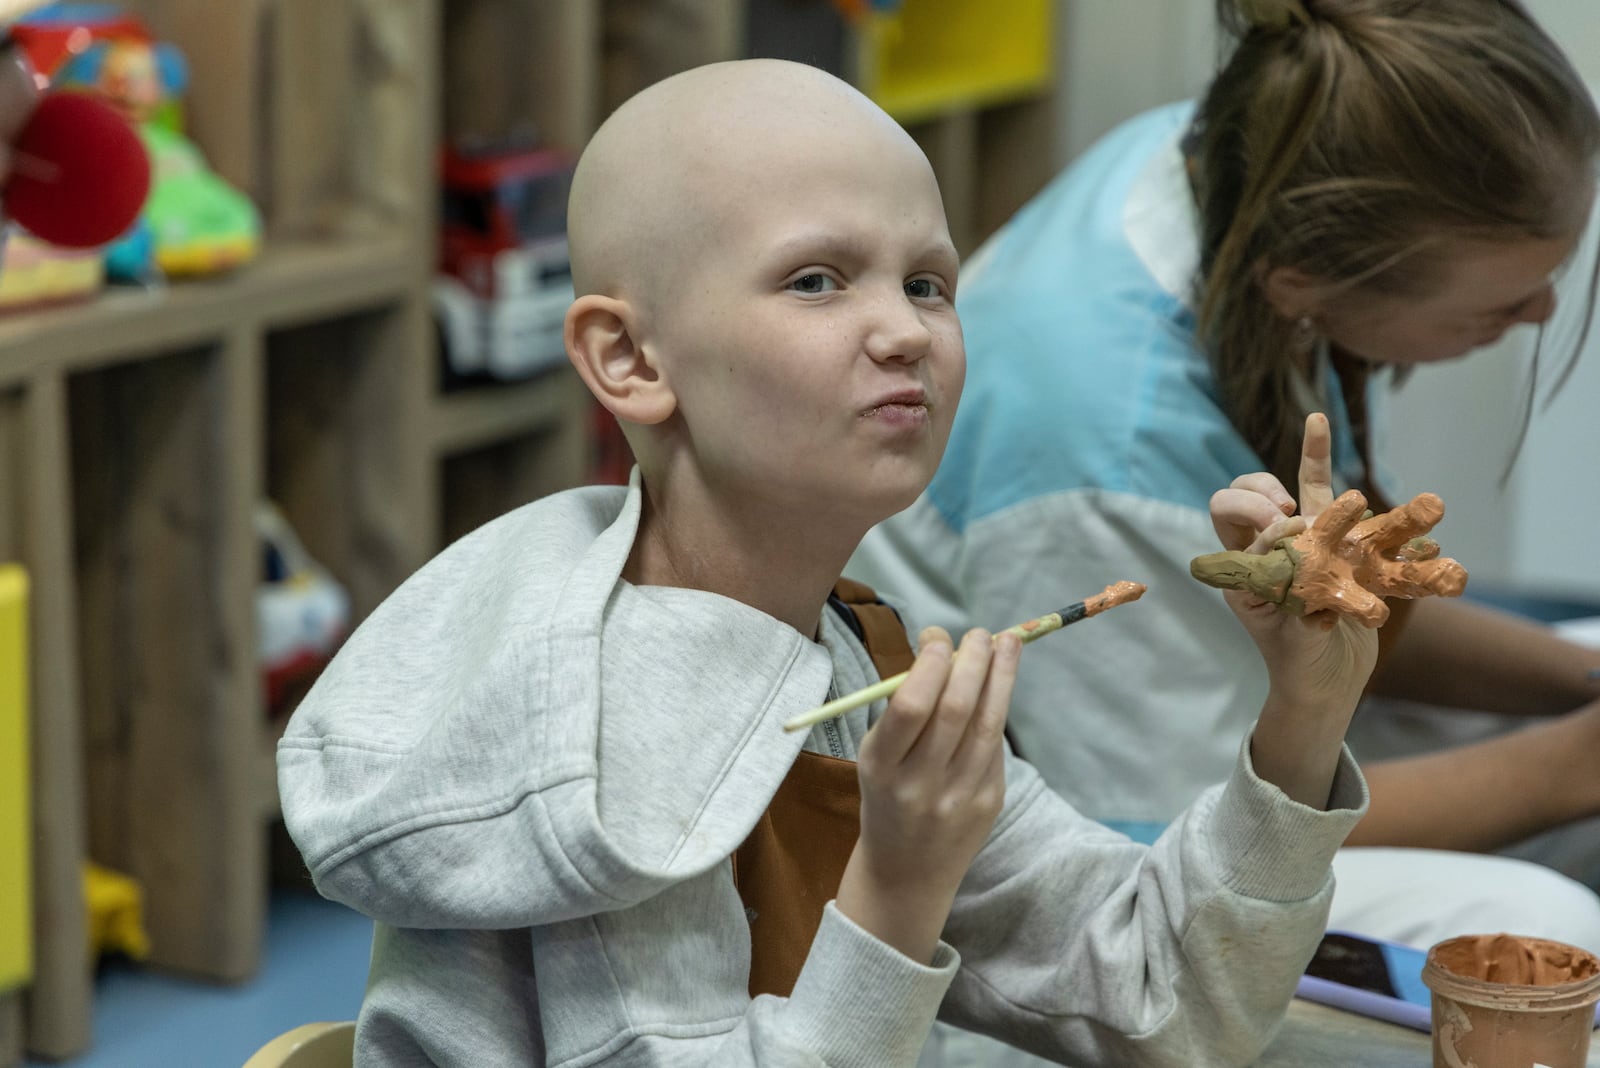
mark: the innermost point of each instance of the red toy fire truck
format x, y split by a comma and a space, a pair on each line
504, 280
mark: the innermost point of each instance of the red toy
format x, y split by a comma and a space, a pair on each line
79, 173
505, 279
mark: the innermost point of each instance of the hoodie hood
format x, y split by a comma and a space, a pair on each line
445, 771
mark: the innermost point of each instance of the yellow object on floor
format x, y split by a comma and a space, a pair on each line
116, 913
16, 813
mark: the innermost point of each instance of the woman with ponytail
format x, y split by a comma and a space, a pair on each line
1366, 185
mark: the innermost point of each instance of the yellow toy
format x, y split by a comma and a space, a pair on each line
116, 913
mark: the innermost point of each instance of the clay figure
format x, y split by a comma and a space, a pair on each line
1347, 562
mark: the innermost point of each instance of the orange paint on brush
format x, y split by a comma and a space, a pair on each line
1113, 595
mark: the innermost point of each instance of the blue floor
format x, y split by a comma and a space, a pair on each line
314, 968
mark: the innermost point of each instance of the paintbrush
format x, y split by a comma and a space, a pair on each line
1113, 595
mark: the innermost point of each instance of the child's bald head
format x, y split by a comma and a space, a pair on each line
660, 177
764, 276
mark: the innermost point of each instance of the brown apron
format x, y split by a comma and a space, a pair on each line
791, 864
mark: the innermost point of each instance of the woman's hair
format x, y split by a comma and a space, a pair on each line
1352, 140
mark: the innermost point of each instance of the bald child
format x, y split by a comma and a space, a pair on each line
552, 765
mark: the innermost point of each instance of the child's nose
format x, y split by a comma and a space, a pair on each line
898, 331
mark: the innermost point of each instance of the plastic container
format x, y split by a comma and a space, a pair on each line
1506, 1001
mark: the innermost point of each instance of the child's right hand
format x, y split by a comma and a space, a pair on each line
932, 775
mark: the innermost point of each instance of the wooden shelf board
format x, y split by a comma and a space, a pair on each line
481, 416
290, 282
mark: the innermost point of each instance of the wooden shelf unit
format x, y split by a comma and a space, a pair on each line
137, 432
143, 430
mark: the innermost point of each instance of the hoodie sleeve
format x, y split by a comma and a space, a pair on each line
1085, 947
472, 998
1074, 943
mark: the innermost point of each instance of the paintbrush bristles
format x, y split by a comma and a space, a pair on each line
1113, 595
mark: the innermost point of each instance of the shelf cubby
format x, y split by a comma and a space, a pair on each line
162, 463
347, 454
501, 446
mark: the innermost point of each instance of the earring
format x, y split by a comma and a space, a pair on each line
1305, 334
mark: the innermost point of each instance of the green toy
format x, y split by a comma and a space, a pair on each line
195, 222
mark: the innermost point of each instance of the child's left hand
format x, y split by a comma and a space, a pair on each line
1318, 664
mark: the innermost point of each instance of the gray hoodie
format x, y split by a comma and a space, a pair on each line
531, 774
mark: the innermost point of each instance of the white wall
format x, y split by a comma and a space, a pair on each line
1117, 58
1452, 428
1575, 25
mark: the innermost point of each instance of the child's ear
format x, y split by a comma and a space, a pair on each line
622, 376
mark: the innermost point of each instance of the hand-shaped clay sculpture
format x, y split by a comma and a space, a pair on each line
1344, 562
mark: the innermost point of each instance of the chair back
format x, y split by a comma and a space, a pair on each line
313, 1045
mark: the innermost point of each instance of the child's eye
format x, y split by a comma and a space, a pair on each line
813, 283
922, 289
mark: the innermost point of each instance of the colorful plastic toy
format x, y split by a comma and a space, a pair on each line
505, 279
302, 614
79, 173
34, 273
54, 33
197, 223
115, 913
200, 224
